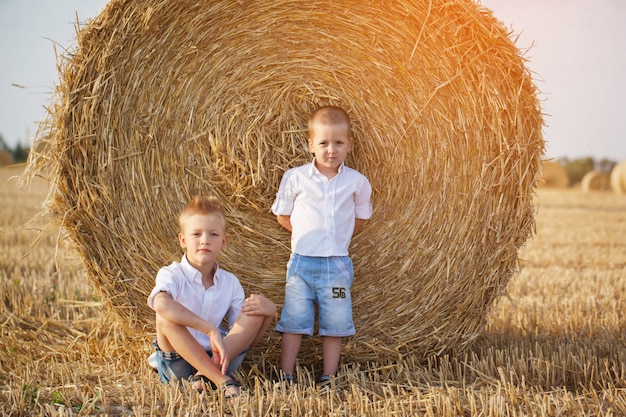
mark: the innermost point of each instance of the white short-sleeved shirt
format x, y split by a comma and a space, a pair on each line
323, 211
184, 283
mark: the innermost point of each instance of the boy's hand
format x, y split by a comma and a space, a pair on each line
284, 221
220, 356
257, 305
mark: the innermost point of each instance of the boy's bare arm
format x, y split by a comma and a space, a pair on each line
358, 224
284, 221
177, 313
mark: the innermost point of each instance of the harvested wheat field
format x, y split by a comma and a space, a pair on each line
555, 346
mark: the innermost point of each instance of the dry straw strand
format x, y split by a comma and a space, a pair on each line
163, 100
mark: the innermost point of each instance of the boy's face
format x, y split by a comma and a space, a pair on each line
330, 144
203, 237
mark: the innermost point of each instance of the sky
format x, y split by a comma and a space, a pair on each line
29, 31
576, 50
577, 53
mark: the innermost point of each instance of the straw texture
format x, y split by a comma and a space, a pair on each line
165, 99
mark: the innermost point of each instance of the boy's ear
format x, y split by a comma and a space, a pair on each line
181, 241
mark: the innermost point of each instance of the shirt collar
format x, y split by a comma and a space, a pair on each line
315, 171
193, 274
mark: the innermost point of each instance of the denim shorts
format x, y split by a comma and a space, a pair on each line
172, 366
321, 281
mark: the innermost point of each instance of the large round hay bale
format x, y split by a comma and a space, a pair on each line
618, 178
553, 175
595, 181
163, 100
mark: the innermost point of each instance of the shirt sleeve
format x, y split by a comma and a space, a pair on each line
285, 197
362, 200
236, 303
165, 282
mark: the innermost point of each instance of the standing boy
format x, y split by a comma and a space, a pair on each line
322, 203
192, 297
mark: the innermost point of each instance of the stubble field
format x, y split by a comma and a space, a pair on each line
555, 347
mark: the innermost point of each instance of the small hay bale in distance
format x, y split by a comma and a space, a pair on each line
6, 158
553, 175
596, 181
163, 100
618, 178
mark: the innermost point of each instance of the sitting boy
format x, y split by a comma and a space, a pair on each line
192, 297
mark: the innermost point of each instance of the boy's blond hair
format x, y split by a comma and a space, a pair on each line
202, 205
329, 115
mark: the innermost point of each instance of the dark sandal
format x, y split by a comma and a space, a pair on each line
325, 383
227, 385
204, 381
288, 379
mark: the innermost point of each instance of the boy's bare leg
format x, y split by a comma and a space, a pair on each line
267, 320
173, 337
245, 333
257, 313
332, 354
289, 352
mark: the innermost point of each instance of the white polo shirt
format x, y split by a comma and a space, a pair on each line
323, 211
184, 283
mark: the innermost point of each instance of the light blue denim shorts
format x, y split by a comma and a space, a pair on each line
321, 281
